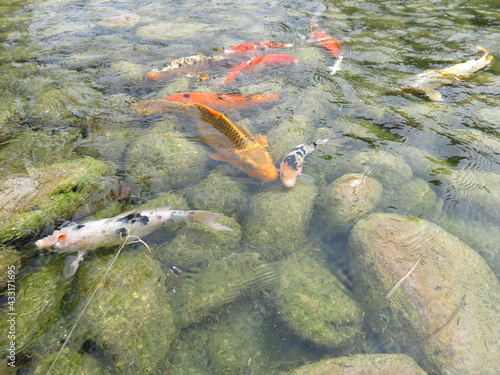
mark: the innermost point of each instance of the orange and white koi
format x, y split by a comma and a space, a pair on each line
255, 46
222, 101
291, 165
191, 66
231, 141
88, 236
427, 81
266, 60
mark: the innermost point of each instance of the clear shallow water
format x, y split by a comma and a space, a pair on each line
67, 69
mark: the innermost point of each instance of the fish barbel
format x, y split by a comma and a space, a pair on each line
291, 165
222, 101
255, 46
231, 141
191, 66
427, 81
108, 232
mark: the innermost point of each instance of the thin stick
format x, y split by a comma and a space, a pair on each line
92, 296
401, 281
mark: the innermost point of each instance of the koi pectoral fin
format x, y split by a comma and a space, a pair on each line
217, 156
434, 95
72, 263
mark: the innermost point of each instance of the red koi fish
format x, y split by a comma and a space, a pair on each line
221, 101
266, 60
231, 141
326, 41
255, 46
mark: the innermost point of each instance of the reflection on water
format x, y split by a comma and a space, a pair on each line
69, 72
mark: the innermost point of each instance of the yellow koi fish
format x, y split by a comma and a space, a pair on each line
427, 81
231, 141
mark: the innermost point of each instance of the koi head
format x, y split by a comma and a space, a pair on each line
58, 241
290, 169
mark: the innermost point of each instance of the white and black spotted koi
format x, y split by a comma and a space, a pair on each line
291, 165
94, 234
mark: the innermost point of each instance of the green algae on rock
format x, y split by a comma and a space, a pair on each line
346, 200
198, 244
277, 220
220, 282
414, 198
363, 364
69, 362
58, 191
425, 290
38, 298
130, 315
161, 160
10, 260
390, 170
315, 305
218, 192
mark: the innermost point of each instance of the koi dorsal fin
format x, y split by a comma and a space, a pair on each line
239, 137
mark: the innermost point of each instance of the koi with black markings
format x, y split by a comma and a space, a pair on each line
222, 101
88, 236
197, 66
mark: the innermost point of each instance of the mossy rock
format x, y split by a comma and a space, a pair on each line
58, 191
315, 305
346, 200
219, 283
390, 170
445, 313
130, 315
277, 220
10, 260
162, 159
219, 192
477, 193
69, 362
415, 198
38, 298
363, 364
196, 244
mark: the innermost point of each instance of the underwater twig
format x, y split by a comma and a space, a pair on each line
391, 292
92, 296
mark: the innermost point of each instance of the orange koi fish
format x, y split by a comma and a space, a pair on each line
191, 66
266, 60
231, 141
255, 46
326, 41
221, 101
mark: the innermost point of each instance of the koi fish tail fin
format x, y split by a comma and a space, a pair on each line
207, 218
481, 51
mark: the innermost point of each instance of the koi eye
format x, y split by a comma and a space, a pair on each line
62, 238
249, 166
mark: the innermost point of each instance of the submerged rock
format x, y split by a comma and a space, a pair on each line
220, 282
161, 160
10, 261
36, 307
473, 194
363, 364
390, 170
445, 313
277, 220
28, 203
198, 244
130, 315
347, 200
69, 362
315, 305
219, 192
